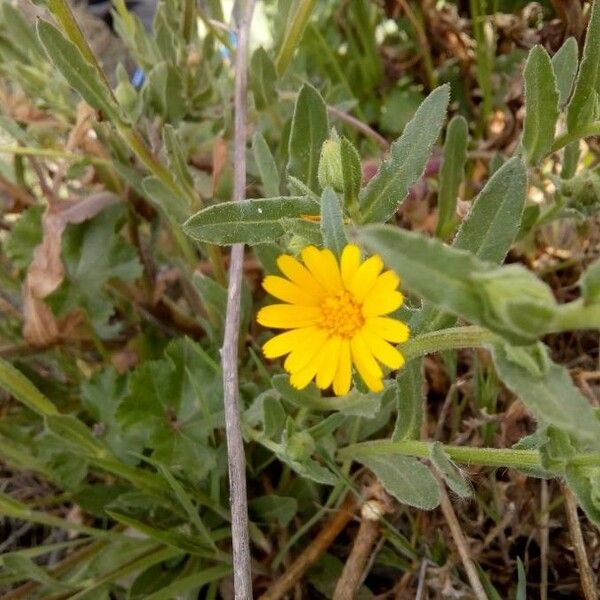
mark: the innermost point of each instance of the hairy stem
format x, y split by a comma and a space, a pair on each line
452, 338
572, 136
489, 457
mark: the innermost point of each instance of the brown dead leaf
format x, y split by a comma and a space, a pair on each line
46, 271
219, 161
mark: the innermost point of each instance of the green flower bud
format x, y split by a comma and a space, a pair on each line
515, 303
583, 193
300, 446
330, 166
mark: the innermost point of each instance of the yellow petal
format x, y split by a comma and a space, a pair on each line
366, 365
323, 266
343, 376
329, 362
299, 274
386, 282
285, 290
300, 379
288, 316
382, 304
284, 343
391, 330
382, 351
365, 277
349, 263
300, 356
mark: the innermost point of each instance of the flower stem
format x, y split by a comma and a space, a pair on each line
572, 136
452, 338
577, 315
489, 457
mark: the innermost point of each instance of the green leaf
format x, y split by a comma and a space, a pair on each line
547, 390
590, 283
409, 402
584, 482
191, 582
170, 537
93, 253
409, 154
249, 221
354, 403
274, 416
75, 434
521, 576
541, 105
332, 222
583, 104
164, 92
262, 79
101, 397
451, 473
267, 167
21, 31
351, 173
273, 508
564, 63
80, 74
451, 174
405, 478
173, 405
427, 267
177, 158
24, 568
509, 300
26, 234
16, 384
310, 128
493, 222
176, 209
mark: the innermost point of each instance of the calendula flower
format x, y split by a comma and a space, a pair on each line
335, 316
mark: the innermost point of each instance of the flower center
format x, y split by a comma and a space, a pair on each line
341, 315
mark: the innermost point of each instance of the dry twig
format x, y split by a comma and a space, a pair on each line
310, 556
235, 443
586, 576
354, 569
460, 541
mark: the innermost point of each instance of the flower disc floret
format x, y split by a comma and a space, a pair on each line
334, 314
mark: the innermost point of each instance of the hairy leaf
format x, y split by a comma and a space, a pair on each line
451, 174
405, 478
495, 217
408, 156
541, 105
249, 221
310, 128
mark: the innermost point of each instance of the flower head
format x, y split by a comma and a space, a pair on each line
335, 317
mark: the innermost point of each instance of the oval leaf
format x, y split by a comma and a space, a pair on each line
495, 217
310, 128
541, 105
249, 221
405, 478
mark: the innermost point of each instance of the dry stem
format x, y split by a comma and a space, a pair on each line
319, 545
588, 584
354, 569
242, 573
461, 542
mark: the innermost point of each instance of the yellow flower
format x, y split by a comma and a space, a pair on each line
335, 316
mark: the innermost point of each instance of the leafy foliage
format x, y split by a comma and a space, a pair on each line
113, 427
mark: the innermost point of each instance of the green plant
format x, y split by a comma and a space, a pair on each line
112, 370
